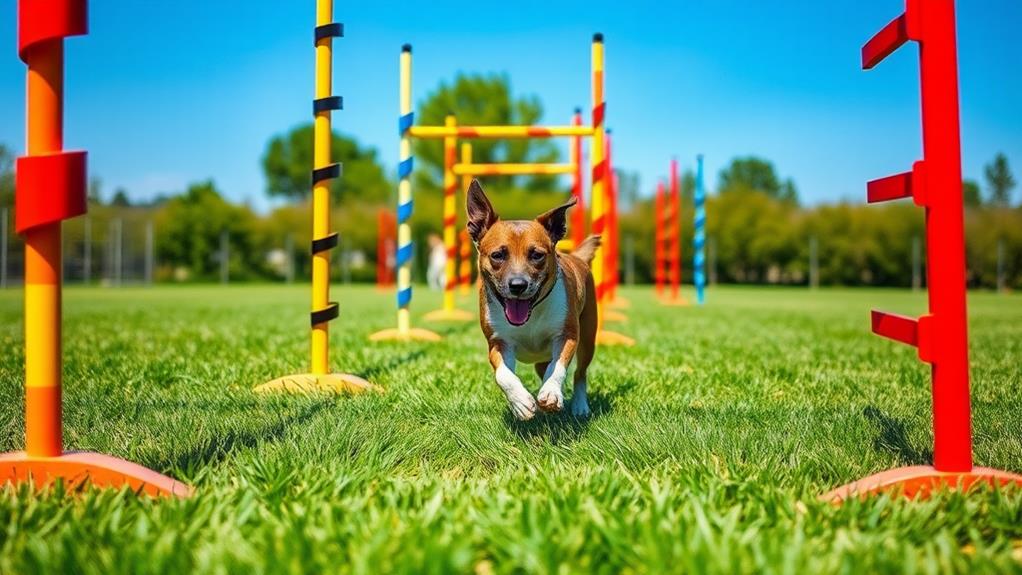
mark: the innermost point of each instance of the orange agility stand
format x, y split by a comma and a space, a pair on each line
672, 238
935, 183
50, 188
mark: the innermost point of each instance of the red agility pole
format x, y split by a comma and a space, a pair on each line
935, 183
658, 240
673, 239
50, 188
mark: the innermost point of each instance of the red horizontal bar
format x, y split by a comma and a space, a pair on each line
896, 327
885, 42
889, 188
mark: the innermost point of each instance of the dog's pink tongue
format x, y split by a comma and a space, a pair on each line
516, 311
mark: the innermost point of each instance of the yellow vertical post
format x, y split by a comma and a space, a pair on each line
466, 242
321, 192
448, 312
324, 171
599, 191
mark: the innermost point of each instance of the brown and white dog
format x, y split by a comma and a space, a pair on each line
535, 305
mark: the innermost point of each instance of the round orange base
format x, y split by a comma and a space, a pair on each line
449, 315
611, 315
619, 303
673, 301
413, 334
920, 481
80, 468
604, 337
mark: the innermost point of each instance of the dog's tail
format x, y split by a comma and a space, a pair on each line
586, 250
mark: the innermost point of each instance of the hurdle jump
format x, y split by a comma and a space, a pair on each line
324, 170
49, 188
935, 184
451, 132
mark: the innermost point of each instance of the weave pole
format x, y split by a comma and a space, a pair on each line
599, 197
50, 186
672, 237
404, 330
934, 183
324, 171
448, 312
465, 272
699, 235
610, 239
658, 240
578, 213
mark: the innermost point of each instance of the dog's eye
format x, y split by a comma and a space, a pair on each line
536, 256
498, 256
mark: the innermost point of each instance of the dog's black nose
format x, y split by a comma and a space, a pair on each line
517, 286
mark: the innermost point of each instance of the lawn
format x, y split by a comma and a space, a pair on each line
710, 441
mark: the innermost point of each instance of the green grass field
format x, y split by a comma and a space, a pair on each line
709, 444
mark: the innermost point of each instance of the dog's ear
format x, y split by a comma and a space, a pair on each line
556, 220
481, 216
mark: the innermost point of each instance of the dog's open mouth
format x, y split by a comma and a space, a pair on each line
517, 311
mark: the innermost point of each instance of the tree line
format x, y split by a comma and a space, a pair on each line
758, 230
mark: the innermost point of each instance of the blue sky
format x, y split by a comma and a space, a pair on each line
164, 92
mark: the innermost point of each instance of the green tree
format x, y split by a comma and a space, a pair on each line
970, 194
287, 165
757, 175
190, 227
120, 198
477, 99
6, 176
1000, 181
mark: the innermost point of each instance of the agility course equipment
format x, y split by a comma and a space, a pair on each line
450, 214
324, 170
935, 184
386, 229
699, 235
672, 240
50, 187
610, 241
408, 130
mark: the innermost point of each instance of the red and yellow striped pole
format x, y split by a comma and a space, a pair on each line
50, 188
578, 213
610, 239
466, 241
599, 198
324, 171
672, 263
450, 213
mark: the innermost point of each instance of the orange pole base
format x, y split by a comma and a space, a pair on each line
81, 468
611, 338
919, 481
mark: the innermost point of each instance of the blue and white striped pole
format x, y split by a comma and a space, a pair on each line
699, 235
404, 200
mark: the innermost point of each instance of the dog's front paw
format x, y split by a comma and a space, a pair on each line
523, 406
550, 399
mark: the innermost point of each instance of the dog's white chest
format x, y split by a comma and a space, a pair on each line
532, 342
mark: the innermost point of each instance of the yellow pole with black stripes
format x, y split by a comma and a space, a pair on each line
324, 171
599, 191
450, 214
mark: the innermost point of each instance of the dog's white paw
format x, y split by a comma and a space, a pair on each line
522, 405
550, 399
580, 406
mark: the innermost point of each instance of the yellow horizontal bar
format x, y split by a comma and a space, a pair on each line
466, 132
512, 169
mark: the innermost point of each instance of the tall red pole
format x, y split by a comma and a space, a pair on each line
935, 183
674, 212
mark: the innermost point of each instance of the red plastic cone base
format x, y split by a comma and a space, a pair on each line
78, 468
920, 481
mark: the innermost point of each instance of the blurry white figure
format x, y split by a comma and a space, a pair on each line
435, 273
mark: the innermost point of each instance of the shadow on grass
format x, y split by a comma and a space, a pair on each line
894, 439
215, 449
392, 363
563, 428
